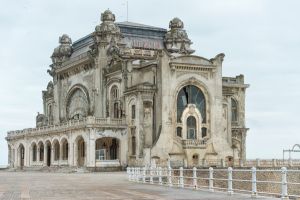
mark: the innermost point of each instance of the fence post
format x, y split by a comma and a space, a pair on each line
159, 175
230, 191
144, 174
254, 188
139, 174
284, 189
181, 184
128, 173
151, 175
131, 173
211, 179
195, 177
135, 174
170, 176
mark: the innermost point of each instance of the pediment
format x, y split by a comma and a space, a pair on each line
191, 60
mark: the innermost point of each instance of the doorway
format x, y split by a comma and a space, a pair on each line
80, 152
48, 155
22, 154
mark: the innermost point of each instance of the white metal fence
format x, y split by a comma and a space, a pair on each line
250, 181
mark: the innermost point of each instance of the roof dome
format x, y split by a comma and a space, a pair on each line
176, 23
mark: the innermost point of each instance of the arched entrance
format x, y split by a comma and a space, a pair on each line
80, 152
48, 153
21, 155
41, 151
65, 149
34, 152
107, 148
56, 149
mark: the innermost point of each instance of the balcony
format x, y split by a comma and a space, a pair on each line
88, 122
194, 144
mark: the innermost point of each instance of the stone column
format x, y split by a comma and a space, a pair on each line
52, 155
73, 153
16, 159
27, 155
91, 148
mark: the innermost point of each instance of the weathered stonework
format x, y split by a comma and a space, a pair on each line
128, 94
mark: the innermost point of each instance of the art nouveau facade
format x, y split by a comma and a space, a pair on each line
129, 93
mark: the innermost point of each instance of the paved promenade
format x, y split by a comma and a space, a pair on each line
54, 186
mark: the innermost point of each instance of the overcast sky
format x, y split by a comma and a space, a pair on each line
260, 38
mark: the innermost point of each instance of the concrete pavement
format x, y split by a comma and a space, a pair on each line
113, 185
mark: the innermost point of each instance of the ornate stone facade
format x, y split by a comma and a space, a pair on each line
128, 94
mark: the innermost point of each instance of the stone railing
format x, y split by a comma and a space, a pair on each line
85, 122
189, 144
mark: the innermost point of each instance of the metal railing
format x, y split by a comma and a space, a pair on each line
222, 179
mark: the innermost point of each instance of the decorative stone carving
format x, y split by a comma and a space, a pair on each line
113, 53
63, 51
41, 120
176, 40
107, 29
49, 92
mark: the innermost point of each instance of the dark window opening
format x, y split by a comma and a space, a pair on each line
133, 112
191, 94
204, 132
179, 131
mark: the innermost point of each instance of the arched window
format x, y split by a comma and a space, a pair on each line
234, 110
191, 94
34, 152
191, 128
77, 105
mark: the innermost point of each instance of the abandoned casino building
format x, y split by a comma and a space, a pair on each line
128, 94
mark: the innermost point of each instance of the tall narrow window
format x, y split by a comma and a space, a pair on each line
133, 141
115, 102
234, 110
116, 110
133, 112
179, 131
133, 145
204, 132
191, 128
